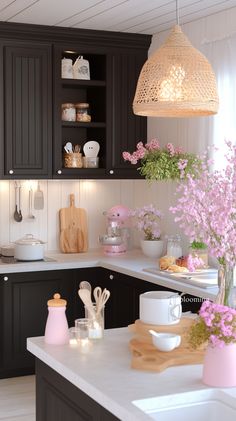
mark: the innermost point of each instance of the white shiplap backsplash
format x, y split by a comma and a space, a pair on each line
93, 195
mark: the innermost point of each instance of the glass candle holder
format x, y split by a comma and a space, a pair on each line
82, 328
96, 322
73, 335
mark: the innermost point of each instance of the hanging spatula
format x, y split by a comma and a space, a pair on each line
38, 199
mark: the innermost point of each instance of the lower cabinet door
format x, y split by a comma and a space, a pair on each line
25, 297
59, 400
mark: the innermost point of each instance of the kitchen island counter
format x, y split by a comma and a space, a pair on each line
104, 374
131, 263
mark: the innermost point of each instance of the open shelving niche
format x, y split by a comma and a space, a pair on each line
94, 92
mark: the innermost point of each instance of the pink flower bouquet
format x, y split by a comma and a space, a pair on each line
206, 208
147, 220
216, 325
169, 163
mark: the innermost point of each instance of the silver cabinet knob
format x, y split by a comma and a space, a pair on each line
59, 172
111, 276
111, 172
11, 172
5, 278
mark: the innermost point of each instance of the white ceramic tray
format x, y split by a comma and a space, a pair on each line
204, 278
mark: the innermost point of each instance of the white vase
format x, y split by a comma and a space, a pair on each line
152, 248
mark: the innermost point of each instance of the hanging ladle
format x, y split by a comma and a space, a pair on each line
19, 212
17, 215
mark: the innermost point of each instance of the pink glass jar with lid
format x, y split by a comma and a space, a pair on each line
57, 330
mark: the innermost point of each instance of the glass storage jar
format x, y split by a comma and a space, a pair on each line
68, 112
83, 112
174, 246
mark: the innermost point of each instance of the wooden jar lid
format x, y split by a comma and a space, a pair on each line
57, 301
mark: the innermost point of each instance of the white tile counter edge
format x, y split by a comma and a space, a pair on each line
131, 263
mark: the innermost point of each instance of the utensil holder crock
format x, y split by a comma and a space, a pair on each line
73, 160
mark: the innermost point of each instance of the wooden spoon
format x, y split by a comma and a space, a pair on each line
85, 296
85, 285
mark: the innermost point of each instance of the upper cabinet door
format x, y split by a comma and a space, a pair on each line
27, 110
127, 128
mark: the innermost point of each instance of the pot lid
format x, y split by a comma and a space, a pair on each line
29, 239
57, 301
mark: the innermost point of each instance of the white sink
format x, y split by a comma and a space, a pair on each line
201, 405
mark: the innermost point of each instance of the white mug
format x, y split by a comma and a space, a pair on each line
160, 307
165, 342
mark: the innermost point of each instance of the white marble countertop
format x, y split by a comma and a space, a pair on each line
105, 375
131, 263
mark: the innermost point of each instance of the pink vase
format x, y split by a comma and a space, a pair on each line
219, 366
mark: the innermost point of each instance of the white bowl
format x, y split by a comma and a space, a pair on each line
166, 342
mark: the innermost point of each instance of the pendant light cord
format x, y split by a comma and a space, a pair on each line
177, 11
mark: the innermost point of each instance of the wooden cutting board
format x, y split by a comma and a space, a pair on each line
73, 228
145, 356
141, 330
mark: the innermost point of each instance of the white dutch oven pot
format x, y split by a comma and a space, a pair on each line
29, 248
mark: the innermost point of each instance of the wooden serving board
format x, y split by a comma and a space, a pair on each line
73, 228
145, 356
141, 330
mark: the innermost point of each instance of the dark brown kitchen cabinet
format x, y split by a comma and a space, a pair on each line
32, 133
24, 313
58, 399
26, 130
23, 310
110, 93
127, 128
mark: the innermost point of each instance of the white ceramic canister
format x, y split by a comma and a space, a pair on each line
66, 68
160, 307
81, 69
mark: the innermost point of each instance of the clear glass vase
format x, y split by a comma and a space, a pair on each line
227, 293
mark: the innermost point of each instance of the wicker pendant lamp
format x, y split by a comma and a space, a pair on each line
176, 81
